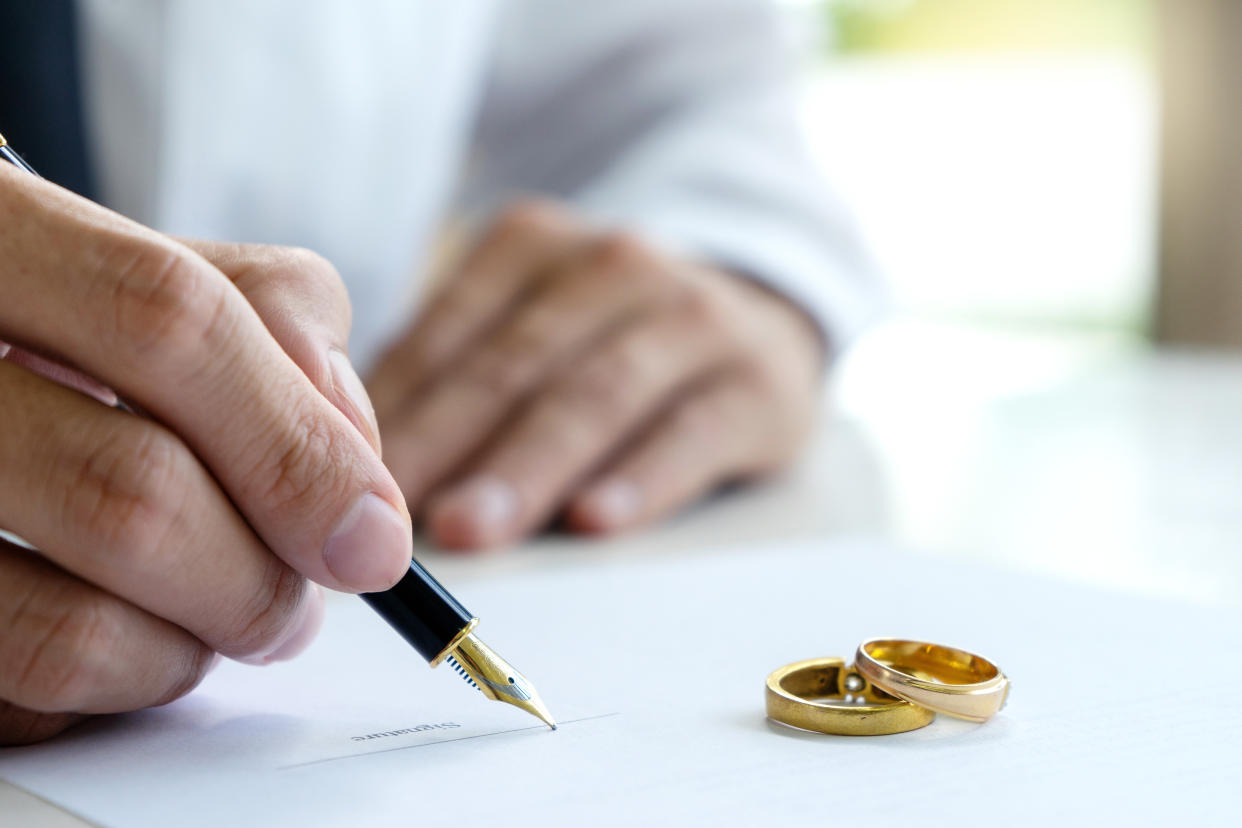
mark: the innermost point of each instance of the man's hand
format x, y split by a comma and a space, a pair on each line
567, 371
165, 540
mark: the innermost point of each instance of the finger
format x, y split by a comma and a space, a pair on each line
714, 436
525, 239
573, 424
120, 502
304, 304
19, 726
155, 321
69, 647
611, 282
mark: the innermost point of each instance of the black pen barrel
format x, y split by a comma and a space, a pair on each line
422, 611
7, 153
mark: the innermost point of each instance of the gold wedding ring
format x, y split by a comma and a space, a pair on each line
933, 676
824, 695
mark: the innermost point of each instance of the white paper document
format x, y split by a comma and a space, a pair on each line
1122, 710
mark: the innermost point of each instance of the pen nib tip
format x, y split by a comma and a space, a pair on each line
542, 712
496, 678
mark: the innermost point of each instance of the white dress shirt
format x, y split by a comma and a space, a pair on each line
355, 128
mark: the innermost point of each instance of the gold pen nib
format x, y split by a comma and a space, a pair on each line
495, 678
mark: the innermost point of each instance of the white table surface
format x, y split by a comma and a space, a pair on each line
1090, 458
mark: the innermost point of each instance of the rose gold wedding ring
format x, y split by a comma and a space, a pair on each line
939, 678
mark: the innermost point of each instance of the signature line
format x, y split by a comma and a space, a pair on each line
441, 742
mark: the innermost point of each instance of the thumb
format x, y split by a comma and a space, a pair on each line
304, 305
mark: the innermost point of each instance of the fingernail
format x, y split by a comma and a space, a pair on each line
371, 547
610, 505
478, 511
345, 381
305, 630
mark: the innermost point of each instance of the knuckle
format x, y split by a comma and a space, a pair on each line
125, 494
304, 270
493, 376
705, 311
601, 391
301, 286
166, 306
624, 253
266, 612
529, 217
301, 464
69, 644
612, 375
194, 670
506, 369
457, 302
303, 262
304, 289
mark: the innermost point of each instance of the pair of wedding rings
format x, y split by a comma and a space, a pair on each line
893, 686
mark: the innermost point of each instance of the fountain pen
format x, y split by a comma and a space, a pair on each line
440, 629
429, 617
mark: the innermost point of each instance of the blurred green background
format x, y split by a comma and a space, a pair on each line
1000, 156
990, 25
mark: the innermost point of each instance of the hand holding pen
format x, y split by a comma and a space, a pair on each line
165, 540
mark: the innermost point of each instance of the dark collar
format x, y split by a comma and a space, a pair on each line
41, 91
